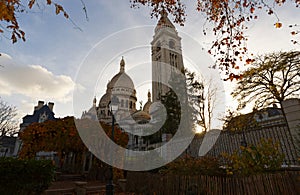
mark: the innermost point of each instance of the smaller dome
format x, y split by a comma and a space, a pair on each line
92, 111
147, 107
141, 115
104, 100
148, 103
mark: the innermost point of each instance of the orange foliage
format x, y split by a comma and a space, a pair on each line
62, 136
58, 135
119, 137
9, 10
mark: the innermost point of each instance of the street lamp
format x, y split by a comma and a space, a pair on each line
114, 105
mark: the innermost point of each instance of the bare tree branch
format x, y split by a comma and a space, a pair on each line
272, 78
8, 124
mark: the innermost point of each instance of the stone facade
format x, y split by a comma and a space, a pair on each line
166, 56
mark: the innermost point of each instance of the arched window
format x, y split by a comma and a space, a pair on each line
173, 59
158, 46
171, 44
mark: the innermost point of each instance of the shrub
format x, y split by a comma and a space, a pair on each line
25, 176
263, 157
194, 166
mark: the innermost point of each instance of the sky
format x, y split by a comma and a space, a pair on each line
61, 57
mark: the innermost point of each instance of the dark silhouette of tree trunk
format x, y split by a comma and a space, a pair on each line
202, 98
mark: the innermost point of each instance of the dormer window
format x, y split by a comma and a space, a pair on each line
43, 117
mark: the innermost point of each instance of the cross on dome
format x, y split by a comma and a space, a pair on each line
122, 65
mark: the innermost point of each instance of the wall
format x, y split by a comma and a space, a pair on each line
231, 141
291, 109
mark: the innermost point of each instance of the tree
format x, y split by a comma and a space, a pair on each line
202, 98
265, 156
61, 136
271, 79
234, 121
177, 108
229, 20
11, 11
53, 135
205, 165
172, 105
8, 125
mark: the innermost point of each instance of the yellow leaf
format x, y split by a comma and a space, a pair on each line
278, 24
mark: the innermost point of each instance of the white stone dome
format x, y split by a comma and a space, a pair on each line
121, 80
121, 85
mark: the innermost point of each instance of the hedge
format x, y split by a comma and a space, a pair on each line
25, 176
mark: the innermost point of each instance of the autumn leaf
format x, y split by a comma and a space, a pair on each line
294, 33
58, 8
249, 61
278, 24
14, 38
31, 3
66, 15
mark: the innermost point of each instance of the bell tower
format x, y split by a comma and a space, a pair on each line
166, 55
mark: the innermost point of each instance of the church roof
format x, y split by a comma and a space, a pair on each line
121, 79
104, 100
164, 21
35, 116
141, 115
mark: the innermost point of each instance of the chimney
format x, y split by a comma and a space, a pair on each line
40, 104
50, 105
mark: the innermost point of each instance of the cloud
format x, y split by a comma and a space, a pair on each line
5, 56
33, 81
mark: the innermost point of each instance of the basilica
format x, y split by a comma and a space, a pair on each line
166, 55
